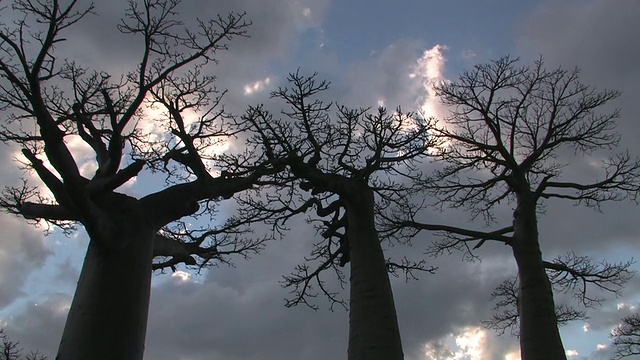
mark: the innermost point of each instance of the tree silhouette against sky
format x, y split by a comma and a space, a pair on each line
49, 102
346, 164
512, 135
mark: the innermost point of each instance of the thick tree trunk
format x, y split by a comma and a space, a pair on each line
539, 335
373, 326
108, 315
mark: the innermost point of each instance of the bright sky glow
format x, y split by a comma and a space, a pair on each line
182, 276
256, 86
429, 69
512, 356
470, 343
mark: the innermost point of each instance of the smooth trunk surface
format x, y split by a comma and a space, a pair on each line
539, 335
108, 315
373, 326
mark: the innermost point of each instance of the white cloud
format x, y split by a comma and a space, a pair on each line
571, 353
256, 86
512, 356
471, 344
467, 343
181, 276
429, 69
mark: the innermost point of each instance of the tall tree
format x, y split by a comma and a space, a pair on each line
578, 276
626, 337
511, 134
48, 103
345, 166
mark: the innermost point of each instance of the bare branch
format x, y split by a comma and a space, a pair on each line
506, 315
11, 350
325, 158
506, 125
572, 273
626, 337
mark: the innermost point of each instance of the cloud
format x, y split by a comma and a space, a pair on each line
22, 250
22, 247
429, 70
256, 86
39, 326
599, 37
468, 343
238, 313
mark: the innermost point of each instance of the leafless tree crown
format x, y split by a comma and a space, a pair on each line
322, 146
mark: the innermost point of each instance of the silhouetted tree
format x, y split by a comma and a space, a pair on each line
346, 167
503, 142
11, 350
47, 103
626, 337
571, 274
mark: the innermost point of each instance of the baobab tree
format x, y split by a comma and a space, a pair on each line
48, 103
626, 337
346, 164
511, 134
570, 274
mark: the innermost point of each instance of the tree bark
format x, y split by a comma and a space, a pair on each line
539, 334
373, 325
108, 315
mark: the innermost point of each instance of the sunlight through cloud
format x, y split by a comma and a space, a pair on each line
181, 276
256, 86
429, 69
512, 356
470, 343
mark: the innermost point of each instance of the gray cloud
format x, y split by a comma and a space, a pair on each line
39, 326
22, 250
22, 247
238, 313
600, 38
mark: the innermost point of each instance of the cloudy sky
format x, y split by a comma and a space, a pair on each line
373, 52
